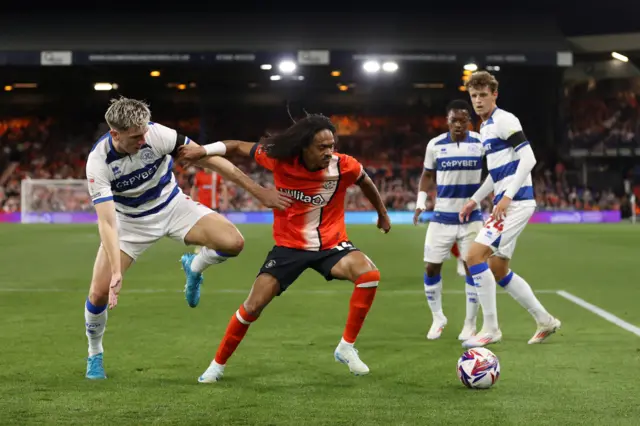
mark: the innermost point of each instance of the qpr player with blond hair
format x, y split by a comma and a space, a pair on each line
137, 200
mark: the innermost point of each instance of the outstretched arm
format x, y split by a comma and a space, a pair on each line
270, 198
371, 192
238, 147
193, 152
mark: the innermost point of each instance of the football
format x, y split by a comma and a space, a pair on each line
478, 368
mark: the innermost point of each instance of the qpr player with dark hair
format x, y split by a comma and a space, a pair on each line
454, 161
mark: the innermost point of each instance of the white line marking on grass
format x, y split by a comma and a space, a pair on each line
230, 290
600, 312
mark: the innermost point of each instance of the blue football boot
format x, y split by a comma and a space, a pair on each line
194, 281
95, 368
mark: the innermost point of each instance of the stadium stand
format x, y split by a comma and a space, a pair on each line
391, 149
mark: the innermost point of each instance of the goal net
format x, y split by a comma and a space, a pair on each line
56, 201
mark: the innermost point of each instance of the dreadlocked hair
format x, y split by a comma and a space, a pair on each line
289, 144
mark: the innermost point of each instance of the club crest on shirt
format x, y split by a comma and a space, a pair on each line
330, 184
474, 149
146, 155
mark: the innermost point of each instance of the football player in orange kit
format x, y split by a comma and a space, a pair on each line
309, 234
210, 194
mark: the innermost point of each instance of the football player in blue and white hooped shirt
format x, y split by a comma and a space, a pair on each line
510, 160
131, 182
456, 159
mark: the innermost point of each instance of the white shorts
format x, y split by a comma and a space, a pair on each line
441, 237
174, 221
502, 236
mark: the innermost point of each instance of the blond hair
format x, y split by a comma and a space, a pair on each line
124, 114
482, 79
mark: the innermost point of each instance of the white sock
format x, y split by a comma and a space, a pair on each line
216, 365
95, 318
521, 291
206, 258
472, 302
345, 343
433, 291
485, 285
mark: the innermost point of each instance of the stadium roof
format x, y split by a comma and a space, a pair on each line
543, 26
391, 31
629, 42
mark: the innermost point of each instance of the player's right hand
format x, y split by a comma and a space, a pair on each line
417, 214
190, 153
384, 223
114, 290
466, 211
274, 199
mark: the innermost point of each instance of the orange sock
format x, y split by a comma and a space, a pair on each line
360, 303
237, 328
455, 250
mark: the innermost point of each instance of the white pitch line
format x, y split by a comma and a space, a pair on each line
600, 312
231, 290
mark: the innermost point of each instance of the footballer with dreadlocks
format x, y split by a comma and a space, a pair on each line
311, 233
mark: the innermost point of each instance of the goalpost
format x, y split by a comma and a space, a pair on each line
56, 201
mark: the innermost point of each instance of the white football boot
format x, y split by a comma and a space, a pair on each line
482, 339
545, 330
347, 354
468, 331
213, 374
438, 325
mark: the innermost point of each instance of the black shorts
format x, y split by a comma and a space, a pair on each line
286, 264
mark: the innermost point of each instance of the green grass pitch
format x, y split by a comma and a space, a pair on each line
283, 372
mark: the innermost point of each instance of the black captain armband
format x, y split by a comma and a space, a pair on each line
252, 152
361, 178
180, 140
517, 138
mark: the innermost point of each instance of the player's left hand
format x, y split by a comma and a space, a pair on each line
500, 210
465, 213
384, 223
114, 289
191, 153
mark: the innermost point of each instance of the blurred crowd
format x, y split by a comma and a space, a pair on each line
391, 149
603, 115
